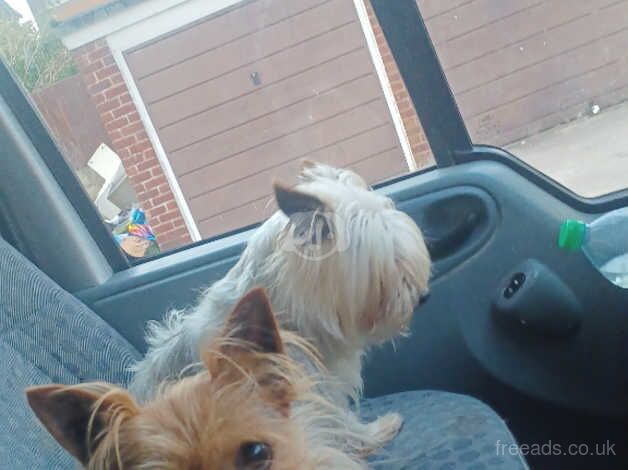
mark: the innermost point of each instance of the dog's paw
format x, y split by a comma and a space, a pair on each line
386, 427
382, 431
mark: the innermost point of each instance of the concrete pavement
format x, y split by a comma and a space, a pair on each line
589, 155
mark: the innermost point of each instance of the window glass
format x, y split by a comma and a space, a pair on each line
176, 119
545, 79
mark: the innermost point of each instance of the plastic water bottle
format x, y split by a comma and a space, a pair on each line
604, 241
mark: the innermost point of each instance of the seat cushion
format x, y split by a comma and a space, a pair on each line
442, 431
46, 335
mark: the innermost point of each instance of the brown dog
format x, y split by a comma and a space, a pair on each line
250, 408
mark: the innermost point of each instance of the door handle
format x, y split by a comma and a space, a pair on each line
533, 299
455, 222
445, 244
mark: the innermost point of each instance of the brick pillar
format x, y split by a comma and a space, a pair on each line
130, 141
418, 142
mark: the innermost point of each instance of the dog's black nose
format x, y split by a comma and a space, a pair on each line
424, 298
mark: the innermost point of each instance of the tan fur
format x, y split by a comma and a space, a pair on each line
199, 423
248, 391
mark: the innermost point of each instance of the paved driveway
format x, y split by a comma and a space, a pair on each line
589, 155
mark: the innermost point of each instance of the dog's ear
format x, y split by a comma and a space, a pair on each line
253, 344
252, 321
78, 416
306, 212
292, 201
307, 164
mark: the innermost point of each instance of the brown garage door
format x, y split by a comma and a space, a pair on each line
518, 67
241, 97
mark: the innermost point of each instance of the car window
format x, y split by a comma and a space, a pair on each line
546, 80
177, 116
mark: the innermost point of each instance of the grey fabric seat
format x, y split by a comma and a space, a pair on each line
443, 431
47, 335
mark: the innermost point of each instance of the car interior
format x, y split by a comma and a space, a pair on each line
533, 331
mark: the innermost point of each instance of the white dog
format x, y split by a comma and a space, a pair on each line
343, 268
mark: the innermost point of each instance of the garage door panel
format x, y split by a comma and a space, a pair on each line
232, 196
359, 146
250, 212
528, 110
431, 8
354, 151
320, 80
242, 97
342, 153
243, 19
302, 58
540, 47
512, 30
247, 50
517, 68
608, 98
233, 219
549, 72
275, 125
473, 15
381, 166
293, 146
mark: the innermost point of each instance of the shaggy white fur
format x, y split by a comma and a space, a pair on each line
343, 268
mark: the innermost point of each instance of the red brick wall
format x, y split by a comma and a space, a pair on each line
418, 142
129, 139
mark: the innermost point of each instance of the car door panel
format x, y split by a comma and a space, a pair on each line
587, 371
455, 342
147, 291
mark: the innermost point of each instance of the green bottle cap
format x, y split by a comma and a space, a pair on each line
572, 234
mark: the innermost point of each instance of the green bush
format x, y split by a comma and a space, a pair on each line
37, 57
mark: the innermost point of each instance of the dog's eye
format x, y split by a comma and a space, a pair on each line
254, 456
